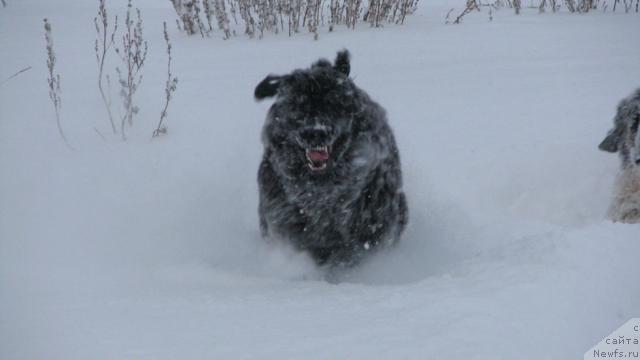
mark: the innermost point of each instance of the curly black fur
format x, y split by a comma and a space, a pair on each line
330, 180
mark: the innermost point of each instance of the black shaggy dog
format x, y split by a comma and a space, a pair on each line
624, 139
330, 179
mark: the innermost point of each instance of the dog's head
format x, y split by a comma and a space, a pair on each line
310, 126
625, 137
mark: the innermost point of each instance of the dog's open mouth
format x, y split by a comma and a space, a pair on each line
318, 157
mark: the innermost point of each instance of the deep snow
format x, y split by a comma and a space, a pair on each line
151, 250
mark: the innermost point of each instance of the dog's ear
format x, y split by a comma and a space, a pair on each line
342, 62
611, 143
268, 87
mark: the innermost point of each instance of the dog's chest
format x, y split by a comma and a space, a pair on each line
324, 206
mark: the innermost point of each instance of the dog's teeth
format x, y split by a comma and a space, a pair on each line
317, 168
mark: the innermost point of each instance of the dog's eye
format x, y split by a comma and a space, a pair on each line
635, 124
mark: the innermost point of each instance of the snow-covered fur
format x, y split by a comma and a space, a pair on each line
330, 180
624, 139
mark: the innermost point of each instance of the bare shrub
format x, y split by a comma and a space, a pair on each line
133, 55
542, 6
628, 5
312, 16
104, 41
585, 5
170, 87
353, 9
222, 18
572, 6
189, 13
266, 17
390, 11
275, 16
517, 6
186, 15
53, 80
471, 5
244, 7
208, 12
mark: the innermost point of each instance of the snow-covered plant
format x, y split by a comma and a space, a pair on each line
628, 5
516, 6
244, 7
392, 11
170, 87
375, 12
222, 18
189, 13
185, 14
571, 5
261, 16
586, 5
542, 6
201, 27
208, 12
104, 41
133, 55
336, 12
53, 80
312, 16
353, 12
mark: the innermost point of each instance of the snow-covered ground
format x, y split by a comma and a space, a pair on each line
151, 250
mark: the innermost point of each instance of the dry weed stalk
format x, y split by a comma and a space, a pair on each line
222, 18
189, 13
170, 87
573, 6
133, 55
104, 41
53, 80
14, 75
471, 5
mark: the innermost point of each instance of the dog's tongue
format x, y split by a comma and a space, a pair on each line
318, 155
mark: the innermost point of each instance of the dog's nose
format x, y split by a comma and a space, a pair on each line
314, 136
638, 161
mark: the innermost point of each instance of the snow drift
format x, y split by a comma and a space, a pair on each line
151, 249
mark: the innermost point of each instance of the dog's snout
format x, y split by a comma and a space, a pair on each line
315, 136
